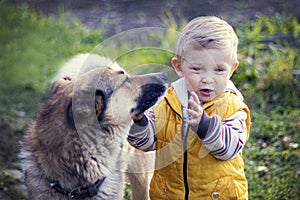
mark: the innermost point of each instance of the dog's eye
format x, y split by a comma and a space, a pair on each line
121, 72
67, 78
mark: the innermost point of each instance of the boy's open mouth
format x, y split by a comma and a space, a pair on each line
205, 92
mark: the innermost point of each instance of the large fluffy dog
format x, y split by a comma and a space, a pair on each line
73, 149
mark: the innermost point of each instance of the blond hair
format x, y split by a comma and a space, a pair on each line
207, 32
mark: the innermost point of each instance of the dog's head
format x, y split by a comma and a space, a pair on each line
106, 97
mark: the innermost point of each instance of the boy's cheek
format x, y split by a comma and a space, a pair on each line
198, 95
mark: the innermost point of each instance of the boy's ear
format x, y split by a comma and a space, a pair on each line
177, 66
234, 67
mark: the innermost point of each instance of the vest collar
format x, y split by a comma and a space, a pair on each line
182, 94
180, 100
181, 91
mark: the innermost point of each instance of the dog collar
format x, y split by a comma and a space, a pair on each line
79, 192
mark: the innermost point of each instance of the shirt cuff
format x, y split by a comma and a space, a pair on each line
142, 122
204, 125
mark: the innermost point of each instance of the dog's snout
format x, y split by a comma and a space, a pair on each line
163, 76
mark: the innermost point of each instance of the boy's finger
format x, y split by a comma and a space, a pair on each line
195, 97
194, 105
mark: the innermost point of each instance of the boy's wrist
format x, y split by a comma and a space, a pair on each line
203, 126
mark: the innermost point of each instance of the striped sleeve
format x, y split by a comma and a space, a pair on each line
142, 134
225, 139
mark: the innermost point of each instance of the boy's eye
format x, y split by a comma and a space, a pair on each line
219, 70
196, 68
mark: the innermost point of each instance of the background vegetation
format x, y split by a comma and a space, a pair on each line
33, 46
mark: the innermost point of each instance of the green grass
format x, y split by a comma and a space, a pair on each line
272, 155
33, 46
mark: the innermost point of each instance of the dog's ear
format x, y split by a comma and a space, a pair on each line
58, 84
100, 107
69, 116
100, 104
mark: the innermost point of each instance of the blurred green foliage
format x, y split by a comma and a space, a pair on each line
33, 46
268, 54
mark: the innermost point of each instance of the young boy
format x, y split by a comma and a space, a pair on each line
201, 126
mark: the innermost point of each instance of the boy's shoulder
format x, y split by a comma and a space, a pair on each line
230, 98
225, 105
171, 97
171, 100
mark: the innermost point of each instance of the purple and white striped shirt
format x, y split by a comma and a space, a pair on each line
224, 139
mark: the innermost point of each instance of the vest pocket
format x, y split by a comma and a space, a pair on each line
158, 188
225, 189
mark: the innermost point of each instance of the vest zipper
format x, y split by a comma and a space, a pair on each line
185, 129
186, 185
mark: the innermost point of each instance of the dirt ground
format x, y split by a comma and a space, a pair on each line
112, 16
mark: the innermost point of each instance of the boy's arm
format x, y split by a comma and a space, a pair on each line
224, 139
142, 133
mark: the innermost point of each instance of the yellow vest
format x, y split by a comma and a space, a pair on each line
194, 174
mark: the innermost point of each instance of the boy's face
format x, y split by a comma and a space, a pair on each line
206, 72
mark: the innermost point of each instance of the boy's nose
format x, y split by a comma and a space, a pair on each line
206, 79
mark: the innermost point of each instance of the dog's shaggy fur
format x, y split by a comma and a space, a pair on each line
74, 146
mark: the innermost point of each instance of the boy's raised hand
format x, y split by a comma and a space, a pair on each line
195, 111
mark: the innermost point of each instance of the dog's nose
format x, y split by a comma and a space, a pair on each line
163, 76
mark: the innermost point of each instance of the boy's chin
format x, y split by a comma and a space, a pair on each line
206, 98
